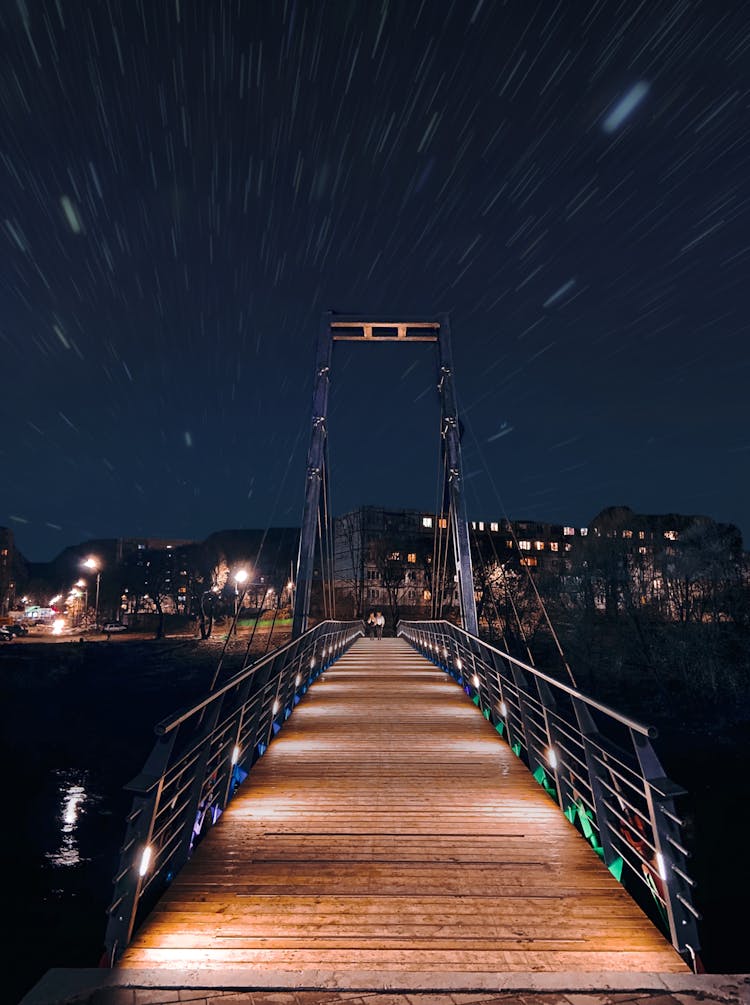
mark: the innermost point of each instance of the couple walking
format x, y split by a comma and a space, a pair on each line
375, 625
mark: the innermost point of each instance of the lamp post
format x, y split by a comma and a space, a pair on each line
91, 563
239, 577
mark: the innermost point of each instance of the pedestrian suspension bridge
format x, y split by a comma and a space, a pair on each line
427, 804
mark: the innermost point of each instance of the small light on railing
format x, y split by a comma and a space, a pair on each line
459, 664
235, 755
552, 757
312, 663
475, 681
145, 861
503, 710
298, 680
660, 866
275, 707
445, 653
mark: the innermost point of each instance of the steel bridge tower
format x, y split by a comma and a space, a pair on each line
371, 330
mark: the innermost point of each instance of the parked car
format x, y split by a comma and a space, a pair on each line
6, 635
18, 629
114, 626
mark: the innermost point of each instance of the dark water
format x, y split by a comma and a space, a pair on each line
75, 727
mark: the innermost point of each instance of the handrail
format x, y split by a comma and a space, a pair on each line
650, 731
177, 718
597, 764
201, 755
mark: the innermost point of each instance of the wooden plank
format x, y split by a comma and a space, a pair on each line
388, 827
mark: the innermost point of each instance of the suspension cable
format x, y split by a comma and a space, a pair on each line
322, 568
448, 536
328, 520
488, 586
541, 603
437, 537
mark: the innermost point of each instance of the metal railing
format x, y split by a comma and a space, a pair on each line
598, 765
200, 757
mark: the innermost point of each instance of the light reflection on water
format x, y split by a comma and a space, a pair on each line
74, 799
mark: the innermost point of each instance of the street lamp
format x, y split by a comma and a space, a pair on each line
239, 577
92, 563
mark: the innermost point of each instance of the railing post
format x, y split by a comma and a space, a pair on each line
562, 783
521, 684
498, 662
233, 742
147, 788
208, 725
660, 792
590, 737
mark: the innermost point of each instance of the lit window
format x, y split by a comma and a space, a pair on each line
584, 531
473, 525
642, 550
442, 523
554, 546
524, 545
539, 545
508, 544
426, 595
411, 557
627, 533
569, 531
641, 535
568, 547
528, 560
671, 535
495, 527
395, 556
481, 525
427, 521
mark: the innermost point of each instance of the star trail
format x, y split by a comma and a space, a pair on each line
185, 186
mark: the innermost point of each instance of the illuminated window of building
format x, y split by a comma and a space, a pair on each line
642, 550
539, 545
528, 560
508, 544
442, 523
569, 531
671, 535
395, 556
627, 533
524, 545
473, 525
585, 530
495, 527
554, 546
411, 557
568, 547
427, 521
642, 535
481, 525
426, 595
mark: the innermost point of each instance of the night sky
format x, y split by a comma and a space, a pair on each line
185, 186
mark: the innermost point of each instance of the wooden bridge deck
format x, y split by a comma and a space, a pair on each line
389, 828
